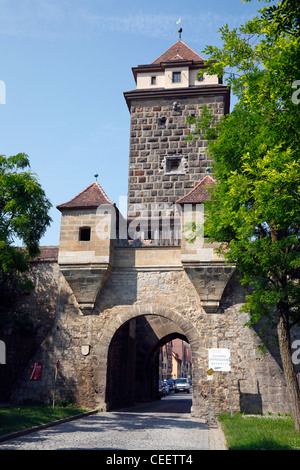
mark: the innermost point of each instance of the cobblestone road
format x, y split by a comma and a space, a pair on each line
146, 427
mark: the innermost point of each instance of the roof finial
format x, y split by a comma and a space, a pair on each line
96, 176
208, 171
180, 29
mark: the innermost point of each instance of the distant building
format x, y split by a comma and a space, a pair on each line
175, 360
182, 354
166, 361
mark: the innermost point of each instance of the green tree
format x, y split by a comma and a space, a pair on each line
23, 216
254, 209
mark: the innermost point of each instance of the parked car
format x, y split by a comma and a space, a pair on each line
161, 389
182, 385
170, 382
167, 387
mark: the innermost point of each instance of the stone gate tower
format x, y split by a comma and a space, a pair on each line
163, 167
110, 303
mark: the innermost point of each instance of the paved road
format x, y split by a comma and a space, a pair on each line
163, 425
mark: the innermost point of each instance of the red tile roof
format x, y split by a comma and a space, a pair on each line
47, 253
179, 51
91, 197
199, 194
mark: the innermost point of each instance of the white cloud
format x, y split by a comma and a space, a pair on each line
145, 24
48, 19
30, 18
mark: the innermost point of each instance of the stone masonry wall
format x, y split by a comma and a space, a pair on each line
21, 342
81, 342
162, 166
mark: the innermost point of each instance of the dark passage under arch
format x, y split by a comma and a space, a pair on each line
132, 365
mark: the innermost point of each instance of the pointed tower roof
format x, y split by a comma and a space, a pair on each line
91, 197
199, 194
179, 51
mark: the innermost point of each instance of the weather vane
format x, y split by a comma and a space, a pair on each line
180, 29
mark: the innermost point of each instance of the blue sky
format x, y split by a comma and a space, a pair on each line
66, 64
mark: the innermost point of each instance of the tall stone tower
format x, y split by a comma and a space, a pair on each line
163, 167
108, 304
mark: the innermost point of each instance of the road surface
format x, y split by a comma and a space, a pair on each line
162, 425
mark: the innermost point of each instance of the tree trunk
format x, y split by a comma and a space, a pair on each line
288, 367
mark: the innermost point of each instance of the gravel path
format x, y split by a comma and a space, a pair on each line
140, 429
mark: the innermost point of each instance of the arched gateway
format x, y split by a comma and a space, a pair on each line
120, 287
131, 354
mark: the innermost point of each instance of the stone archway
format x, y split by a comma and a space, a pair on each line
163, 322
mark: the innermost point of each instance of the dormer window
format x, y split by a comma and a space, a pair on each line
176, 77
84, 234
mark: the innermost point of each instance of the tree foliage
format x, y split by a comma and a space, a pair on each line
254, 209
24, 216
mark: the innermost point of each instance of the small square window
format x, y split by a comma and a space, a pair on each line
162, 122
200, 79
153, 80
173, 165
84, 234
176, 78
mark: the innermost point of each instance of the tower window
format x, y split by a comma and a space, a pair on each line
176, 78
84, 234
162, 122
173, 165
153, 80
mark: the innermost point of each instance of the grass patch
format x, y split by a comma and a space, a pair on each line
16, 418
266, 432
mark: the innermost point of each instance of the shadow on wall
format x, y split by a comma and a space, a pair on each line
25, 389
42, 391
250, 403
